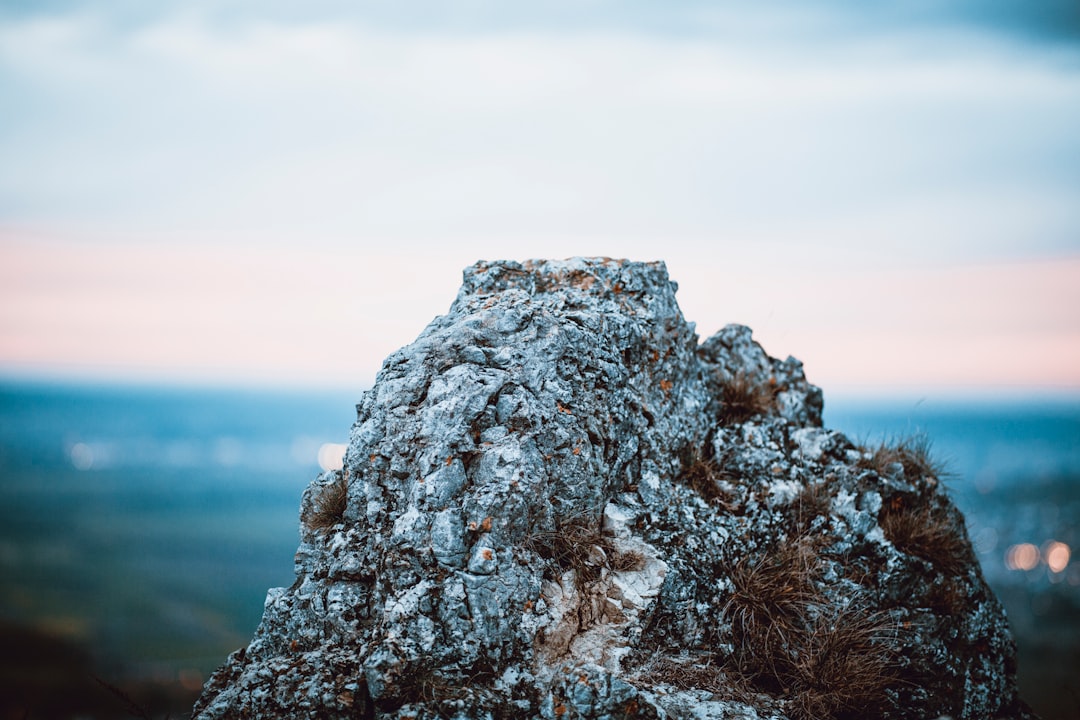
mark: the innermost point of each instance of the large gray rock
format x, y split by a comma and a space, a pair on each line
557, 504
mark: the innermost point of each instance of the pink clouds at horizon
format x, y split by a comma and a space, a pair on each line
310, 316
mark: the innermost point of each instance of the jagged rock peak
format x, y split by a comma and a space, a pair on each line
556, 503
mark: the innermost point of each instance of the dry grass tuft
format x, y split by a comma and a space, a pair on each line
930, 534
789, 641
844, 666
628, 561
690, 674
703, 476
812, 502
742, 398
328, 507
913, 454
768, 607
577, 544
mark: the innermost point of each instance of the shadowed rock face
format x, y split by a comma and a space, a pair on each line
556, 503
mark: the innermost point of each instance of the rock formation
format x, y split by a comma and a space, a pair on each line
557, 504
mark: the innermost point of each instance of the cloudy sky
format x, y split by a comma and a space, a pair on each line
253, 192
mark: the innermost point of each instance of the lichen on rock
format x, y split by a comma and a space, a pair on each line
557, 504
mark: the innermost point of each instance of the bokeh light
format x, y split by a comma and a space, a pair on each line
332, 456
1023, 556
82, 456
1056, 554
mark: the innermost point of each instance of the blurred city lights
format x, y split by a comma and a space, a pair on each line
1023, 556
1056, 554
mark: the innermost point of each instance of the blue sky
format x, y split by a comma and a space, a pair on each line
250, 171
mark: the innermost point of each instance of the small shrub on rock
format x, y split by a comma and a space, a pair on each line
743, 397
328, 506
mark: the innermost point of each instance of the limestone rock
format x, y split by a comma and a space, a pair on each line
557, 504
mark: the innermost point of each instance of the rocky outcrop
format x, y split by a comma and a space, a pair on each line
556, 503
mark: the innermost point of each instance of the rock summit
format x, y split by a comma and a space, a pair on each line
557, 504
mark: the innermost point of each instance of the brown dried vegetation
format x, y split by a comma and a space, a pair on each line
743, 397
825, 662
694, 674
844, 666
814, 501
928, 533
631, 560
328, 506
913, 454
768, 606
579, 544
703, 476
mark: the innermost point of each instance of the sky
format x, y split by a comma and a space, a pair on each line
264, 193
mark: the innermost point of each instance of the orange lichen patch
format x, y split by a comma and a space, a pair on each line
528, 606
488, 555
373, 457
486, 525
577, 450
560, 709
655, 355
617, 288
582, 280
666, 386
450, 460
583, 679
562, 408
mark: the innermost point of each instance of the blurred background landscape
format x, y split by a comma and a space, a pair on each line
140, 528
218, 217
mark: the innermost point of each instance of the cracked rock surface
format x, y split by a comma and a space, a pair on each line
556, 503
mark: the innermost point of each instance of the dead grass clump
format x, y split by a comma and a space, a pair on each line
579, 544
690, 674
628, 561
947, 597
790, 642
913, 454
328, 506
768, 608
930, 534
844, 666
812, 502
703, 476
743, 397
